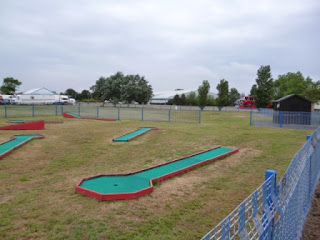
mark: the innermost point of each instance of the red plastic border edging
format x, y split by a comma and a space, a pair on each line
67, 115
133, 195
38, 125
19, 145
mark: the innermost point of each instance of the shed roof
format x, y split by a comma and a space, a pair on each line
289, 96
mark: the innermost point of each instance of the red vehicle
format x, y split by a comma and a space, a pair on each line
247, 102
1, 100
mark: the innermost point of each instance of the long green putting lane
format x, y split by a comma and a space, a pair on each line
17, 141
131, 183
129, 136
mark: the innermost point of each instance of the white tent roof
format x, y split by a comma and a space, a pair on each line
40, 91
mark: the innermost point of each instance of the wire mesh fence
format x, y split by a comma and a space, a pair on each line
91, 111
297, 120
276, 211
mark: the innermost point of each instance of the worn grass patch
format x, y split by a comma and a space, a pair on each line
37, 190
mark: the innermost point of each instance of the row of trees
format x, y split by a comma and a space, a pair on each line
267, 89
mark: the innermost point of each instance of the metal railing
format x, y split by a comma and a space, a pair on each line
276, 211
135, 114
297, 120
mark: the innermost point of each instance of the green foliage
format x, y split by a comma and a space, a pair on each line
203, 91
264, 89
291, 83
223, 93
183, 100
72, 93
233, 95
85, 94
119, 87
10, 85
191, 99
313, 94
176, 100
253, 91
210, 101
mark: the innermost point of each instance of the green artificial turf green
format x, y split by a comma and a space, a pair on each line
126, 137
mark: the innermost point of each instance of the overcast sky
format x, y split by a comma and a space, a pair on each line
175, 44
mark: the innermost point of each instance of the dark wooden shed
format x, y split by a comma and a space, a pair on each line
292, 109
292, 103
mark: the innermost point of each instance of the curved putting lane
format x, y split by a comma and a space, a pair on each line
133, 185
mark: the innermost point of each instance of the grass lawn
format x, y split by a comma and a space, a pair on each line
37, 190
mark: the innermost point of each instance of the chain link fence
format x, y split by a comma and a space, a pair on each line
276, 211
91, 111
296, 120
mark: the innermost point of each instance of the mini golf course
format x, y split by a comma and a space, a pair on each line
15, 142
72, 115
38, 125
129, 136
137, 184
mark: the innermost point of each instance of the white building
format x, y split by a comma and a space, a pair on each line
42, 96
164, 96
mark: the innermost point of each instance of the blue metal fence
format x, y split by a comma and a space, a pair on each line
276, 211
136, 114
297, 120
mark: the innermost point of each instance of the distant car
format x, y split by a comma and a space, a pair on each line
120, 102
106, 101
1, 100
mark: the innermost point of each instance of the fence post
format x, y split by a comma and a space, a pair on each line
119, 114
199, 116
79, 109
273, 192
169, 115
142, 114
97, 112
5, 111
32, 110
61, 110
280, 118
250, 118
56, 110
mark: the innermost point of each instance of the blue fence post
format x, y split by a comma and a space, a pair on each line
199, 116
5, 111
142, 114
250, 118
118, 113
273, 192
56, 110
280, 119
97, 112
79, 109
169, 115
33, 110
61, 110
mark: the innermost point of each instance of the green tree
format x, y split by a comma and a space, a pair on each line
203, 91
292, 83
72, 93
233, 96
176, 100
119, 87
210, 101
253, 91
84, 95
10, 85
264, 91
183, 99
223, 94
191, 99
